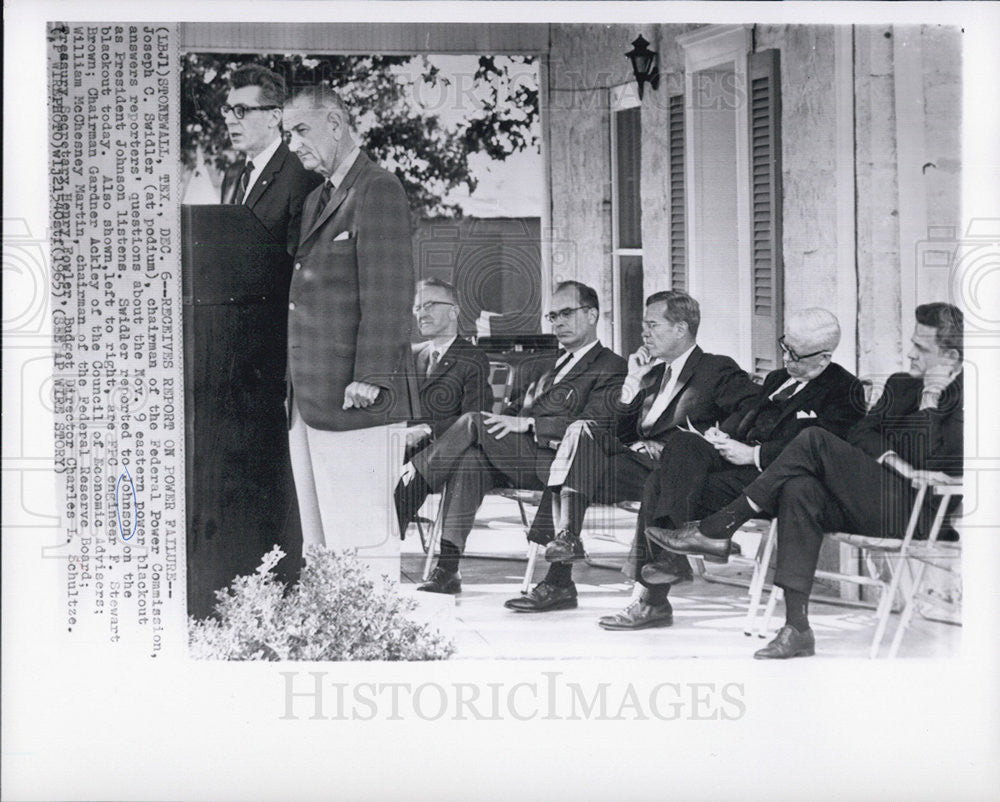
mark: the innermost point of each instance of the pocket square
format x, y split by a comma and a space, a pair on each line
342, 236
801, 414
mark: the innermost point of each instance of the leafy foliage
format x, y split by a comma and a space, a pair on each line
334, 612
429, 157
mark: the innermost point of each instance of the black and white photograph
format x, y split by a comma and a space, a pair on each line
555, 372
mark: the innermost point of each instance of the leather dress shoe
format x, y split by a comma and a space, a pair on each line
672, 570
544, 597
688, 540
566, 548
640, 614
789, 642
442, 581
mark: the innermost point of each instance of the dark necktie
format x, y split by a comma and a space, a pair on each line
786, 393
547, 379
241, 190
324, 198
767, 417
432, 363
649, 400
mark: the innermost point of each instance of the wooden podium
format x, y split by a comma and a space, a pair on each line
240, 495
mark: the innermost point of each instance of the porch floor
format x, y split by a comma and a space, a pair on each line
708, 617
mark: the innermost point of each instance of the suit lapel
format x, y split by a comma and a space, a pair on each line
772, 382
445, 363
271, 169
666, 419
339, 195
804, 397
448, 359
229, 182
578, 369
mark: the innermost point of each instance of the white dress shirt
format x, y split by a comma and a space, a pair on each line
575, 357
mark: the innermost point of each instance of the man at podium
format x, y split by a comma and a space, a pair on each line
348, 332
271, 180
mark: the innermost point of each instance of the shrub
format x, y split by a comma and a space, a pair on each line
334, 612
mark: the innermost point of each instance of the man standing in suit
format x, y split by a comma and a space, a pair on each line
864, 484
516, 448
697, 474
348, 328
670, 381
450, 374
271, 180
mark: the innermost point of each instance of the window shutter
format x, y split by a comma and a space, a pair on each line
765, 205
678, 225
629, 166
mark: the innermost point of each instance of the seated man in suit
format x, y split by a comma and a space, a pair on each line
700, 474
451, 376
670, 381
514, 449
861, 484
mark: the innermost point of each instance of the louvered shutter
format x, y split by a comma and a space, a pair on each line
678, 224
765, 206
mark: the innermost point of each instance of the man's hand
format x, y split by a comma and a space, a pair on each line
360, 395
640, 363
715, 435
935, 380
407, 473
417, 434
933, 478
734, 451
502, 425
651, 448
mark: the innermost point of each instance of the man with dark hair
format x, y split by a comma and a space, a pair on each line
516, 448
670, 381
271, 180
348, 331
450, 375
862, 484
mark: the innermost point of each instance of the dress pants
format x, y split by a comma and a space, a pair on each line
472, 462
690, 481
602, 471
344, 482
821, 483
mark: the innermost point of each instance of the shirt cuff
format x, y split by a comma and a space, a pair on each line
630, 389
756, 457
881, 460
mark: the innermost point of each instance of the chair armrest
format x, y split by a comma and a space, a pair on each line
954, 488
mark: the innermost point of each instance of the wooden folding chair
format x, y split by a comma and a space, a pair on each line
905, 558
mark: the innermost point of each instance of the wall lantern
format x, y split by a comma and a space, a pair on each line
645, 64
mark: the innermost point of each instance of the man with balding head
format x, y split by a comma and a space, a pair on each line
698, 474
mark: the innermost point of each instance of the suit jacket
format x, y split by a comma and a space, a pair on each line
930, 439
835, 400
277, 195
349, 301
710, 388
588, 392
460, 383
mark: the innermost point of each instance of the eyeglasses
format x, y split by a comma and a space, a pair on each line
794, 356
564, 314
427, 306
239, 109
